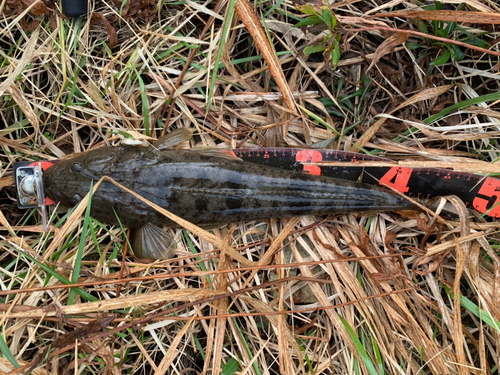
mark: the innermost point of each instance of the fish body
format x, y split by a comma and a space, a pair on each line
203, 188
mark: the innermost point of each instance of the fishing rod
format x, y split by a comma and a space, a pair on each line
478, 192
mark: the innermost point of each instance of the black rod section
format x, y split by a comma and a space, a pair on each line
75, 8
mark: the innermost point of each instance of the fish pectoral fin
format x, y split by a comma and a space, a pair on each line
218, 152
173, 138
152, 242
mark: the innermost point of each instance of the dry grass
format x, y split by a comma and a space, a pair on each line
366, 294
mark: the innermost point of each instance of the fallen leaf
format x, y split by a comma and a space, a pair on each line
388, 46
145, 9
113, 37
83, 332
37, 7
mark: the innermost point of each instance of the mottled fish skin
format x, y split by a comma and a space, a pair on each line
204, 188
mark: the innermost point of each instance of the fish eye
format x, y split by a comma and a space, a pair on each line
76, 167
77, 198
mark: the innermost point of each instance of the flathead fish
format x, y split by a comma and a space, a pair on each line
207, 187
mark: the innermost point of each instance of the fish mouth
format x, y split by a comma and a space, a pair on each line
61, 185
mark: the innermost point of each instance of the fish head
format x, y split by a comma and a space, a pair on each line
68, 181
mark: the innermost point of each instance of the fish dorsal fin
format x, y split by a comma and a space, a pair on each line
218, 152
152, 242
172, 139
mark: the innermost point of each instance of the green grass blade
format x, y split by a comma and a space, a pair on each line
194, 251
53, 273
361, 350
448, 110
145, 105
123, 231
461, 105
380, 361
231, 367
247, 347
61, 278
278, 3
6, 352
225, 32
79, 253
199, 346
478, 312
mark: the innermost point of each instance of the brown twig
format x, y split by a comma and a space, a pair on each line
424, 35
